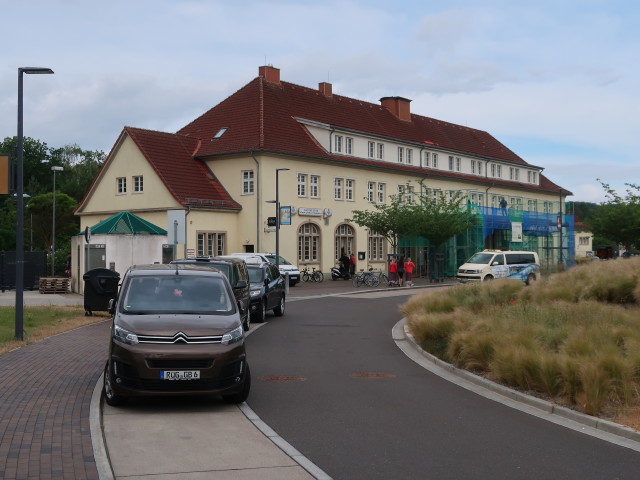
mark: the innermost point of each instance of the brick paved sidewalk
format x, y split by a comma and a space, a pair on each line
45, 397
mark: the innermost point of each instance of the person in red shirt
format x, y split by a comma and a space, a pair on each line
408, 271
352, 264
393, 271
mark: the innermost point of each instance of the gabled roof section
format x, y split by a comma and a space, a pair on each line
263, 115
126, 223
186, 178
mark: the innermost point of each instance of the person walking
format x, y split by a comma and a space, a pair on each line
408, 272
393, 271
400, 270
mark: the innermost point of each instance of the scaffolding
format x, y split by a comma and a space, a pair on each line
551, 236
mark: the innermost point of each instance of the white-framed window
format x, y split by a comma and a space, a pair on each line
532, 177
371, 191
302, 184
400, 154
211, 243
473, 167
349, 187
138, 184
375, 250
338, 185
314, 186
493, 169
381, 192
514, 174
434, 160
499, 171
337, 145
247, 182
479, 167
532, 205
583, 241
458, 164
381, 151
405, 193
477, 198
409, 156
121, 185
344, 240
425, 160
308, 243
371, 149
450, 163
348, 145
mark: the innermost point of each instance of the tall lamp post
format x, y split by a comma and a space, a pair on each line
20, 204
277, 202
53, 228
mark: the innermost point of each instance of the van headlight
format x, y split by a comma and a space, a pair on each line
233, 336
125, 336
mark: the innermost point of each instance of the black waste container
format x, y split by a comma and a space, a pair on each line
100, 286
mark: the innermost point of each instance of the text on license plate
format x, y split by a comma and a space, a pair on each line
179, 374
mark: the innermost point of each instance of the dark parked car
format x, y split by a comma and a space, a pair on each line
267, 290
235, 269
176, 330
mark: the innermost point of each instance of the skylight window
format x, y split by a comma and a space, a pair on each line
220, 133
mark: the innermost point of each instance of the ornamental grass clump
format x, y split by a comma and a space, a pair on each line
573, 337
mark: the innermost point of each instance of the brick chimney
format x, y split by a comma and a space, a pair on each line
325, 89
270, 74
398, 106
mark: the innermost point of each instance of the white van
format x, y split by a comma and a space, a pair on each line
491, 264
283, 265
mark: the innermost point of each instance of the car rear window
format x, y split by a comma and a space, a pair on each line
177, 294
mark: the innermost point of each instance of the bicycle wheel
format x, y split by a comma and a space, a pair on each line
372, 280
305, 276
318, 276
357, 280
384, 279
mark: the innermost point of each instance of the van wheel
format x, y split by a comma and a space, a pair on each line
279, 310
243, 394
531, 279
107, 390
487, 278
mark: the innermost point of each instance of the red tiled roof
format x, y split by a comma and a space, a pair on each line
263, 116
187, 179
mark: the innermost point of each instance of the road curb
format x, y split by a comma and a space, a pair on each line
603, 429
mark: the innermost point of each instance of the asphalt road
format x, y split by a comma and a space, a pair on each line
329, 379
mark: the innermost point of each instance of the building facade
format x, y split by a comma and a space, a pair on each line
212, 184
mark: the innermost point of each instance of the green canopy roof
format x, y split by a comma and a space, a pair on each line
126, 223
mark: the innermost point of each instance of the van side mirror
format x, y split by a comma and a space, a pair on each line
111, 306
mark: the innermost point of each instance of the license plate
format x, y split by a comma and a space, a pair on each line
179, 374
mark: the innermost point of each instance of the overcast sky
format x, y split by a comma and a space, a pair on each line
557, 82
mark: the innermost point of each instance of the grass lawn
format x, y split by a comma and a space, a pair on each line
42, 322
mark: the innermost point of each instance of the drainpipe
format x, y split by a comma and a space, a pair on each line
258, 202
188, 211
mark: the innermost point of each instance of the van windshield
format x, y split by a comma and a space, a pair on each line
481, 258
177, 294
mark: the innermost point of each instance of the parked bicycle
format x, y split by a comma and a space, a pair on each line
369, 278
313, 275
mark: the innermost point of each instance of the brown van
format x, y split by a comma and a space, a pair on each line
176, 330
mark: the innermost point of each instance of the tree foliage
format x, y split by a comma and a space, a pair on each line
80, 168
436, 219
619, 218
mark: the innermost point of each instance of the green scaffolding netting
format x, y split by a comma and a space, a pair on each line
497, 228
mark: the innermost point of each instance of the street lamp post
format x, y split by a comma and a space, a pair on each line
20, 204
277, 202
53, 228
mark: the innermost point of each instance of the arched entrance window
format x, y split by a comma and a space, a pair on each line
345, 240
308, 243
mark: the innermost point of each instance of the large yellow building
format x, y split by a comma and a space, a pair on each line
209, 184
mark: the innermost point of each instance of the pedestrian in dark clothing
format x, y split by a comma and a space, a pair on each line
400, 270
344, 263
